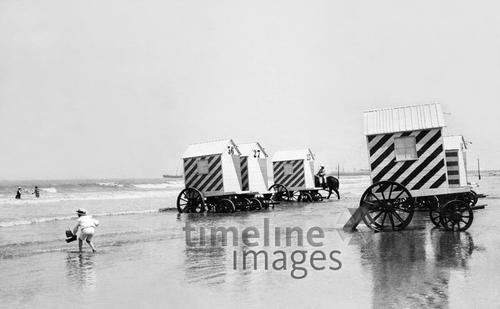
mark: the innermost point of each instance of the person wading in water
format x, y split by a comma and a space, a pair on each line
18, 193
87, 226
36, 192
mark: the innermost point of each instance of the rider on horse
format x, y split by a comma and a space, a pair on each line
321, 175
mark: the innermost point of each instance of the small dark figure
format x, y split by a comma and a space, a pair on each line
18, 193
36, 192
321, 174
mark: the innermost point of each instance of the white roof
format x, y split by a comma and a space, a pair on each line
300, 154
210, 148
406, 118
248, 148
454, 142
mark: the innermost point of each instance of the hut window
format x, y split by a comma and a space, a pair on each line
288, 169
202, 167
405, 148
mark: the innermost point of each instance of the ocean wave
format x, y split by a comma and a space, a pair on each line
92, 197
110, 184
158, 185
49, 190
60, 218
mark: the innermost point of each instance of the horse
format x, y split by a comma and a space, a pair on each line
331, 185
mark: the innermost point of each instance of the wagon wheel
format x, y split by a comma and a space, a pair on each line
456, 215
470, 198
317, 197
190, 200
432, 204
280, 193
294, 196
306, 197
390, 206
225, 206
245, 204
256, 204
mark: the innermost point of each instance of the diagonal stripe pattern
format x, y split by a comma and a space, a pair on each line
428, 172
206, 182
244, 173
289, 173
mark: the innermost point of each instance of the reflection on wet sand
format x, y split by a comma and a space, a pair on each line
80, 269
211, 263
411, 269
204, 263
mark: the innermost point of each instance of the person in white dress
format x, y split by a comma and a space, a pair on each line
87, 226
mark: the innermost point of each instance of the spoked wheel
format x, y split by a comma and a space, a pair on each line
306, 197
294, 196
255, 204
470, 198
225, 206
245, 204
317, 197
390, 204
190, 200
432, 204
456, 215
280, 193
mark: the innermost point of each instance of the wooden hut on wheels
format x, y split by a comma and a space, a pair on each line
213, 168
456, 160
253, 162
294, 169
405, 145
413, 165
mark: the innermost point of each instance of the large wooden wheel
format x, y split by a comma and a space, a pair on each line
456, 215
390, 206
225, 206
190, 200
280, 193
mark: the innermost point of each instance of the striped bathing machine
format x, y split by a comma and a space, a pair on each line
406, 145
294, 169
413, 165
213, 179
294, 180
253, 162
456, 160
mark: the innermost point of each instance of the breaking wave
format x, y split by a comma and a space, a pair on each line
158, 185
60, 218
110, 184
49, 190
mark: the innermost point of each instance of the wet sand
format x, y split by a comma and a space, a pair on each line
152, 266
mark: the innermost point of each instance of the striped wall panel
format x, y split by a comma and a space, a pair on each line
210, 182
453, 168
244, 174
293, 180
428, 172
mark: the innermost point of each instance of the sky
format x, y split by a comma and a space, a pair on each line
120, 88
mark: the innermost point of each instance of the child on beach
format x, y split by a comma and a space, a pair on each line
87, 226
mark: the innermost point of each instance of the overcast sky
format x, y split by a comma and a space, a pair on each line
99, 88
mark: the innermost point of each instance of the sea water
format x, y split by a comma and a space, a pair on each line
143, 258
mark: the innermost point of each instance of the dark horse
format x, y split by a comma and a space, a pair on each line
331, 185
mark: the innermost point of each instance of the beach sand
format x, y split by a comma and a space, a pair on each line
143, 259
